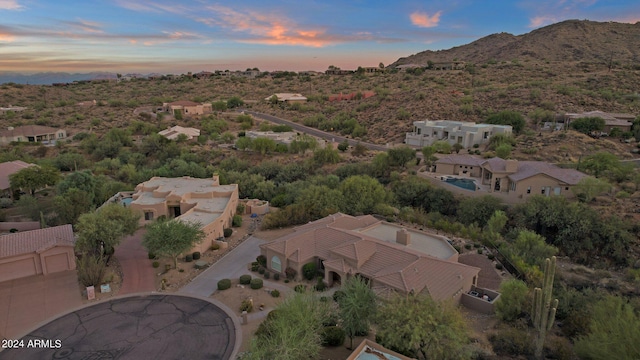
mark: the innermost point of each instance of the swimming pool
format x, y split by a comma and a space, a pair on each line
467, 184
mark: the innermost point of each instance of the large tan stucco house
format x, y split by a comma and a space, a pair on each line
516, 179
389, 256
35, 252
31, 133
467, 134
202, 201
187, 108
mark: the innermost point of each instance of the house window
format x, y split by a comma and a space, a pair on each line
512, 186
529, 190
148, 215
60, 135
566, 188
556, 191
276, 265
542, 191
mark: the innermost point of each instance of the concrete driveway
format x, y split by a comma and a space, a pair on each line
27, 302
230, 266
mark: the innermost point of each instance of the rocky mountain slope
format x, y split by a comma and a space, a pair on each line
571, 40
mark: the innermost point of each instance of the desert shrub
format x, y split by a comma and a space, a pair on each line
224, 284
196, 255
320, 285
214, 246
245, 279
468, 246
499, 266
332, 336
267, 275
337, 295
188, 258
480, 251
511, 342
491, 256
300, 288
255, 266
151, 256
227, 232
246, 305
275, 293
261, 270
155, 264
262, 260
276, 276
256, 283
309, 270
290, 273
237, 221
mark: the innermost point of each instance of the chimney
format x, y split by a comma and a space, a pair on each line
403, 237
511, 166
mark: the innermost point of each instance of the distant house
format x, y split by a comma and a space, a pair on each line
187, 108
611, 120
32, 133
174, 132
4, 110
467, 134
7, 169
352, 96
516, 179
202, 201
203, 75
389, 257
338, 72
42, 251
288, 98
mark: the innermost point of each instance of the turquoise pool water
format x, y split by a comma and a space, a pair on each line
467, 184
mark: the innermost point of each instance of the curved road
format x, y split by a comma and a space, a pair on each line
315, 132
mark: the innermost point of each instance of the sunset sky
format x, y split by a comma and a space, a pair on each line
193, 35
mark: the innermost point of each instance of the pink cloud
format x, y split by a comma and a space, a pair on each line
539, 21
10, 5
422, 19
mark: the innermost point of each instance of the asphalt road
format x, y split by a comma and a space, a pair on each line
315, 132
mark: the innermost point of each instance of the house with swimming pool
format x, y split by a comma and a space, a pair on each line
390, 257
515, 179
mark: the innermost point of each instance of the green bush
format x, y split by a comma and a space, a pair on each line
255, 266
246, 305
286, 281
256, 283
227, 232
267, 275
188, 258
245, 279
309, 271
300, 288
151, 256
224, 284
332, 336
468, 246
491, 256
275, 293
196, 255
480, 251
237, 221
276, 276
261, 270
215, 246
337, 295
290, 273
499, 266
262, 260
320, 285
155, 264
511, 342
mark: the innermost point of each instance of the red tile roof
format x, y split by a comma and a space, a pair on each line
26, 242
9, 168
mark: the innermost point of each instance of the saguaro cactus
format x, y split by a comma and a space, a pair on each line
544, 311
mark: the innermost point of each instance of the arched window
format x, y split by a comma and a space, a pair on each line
276, 265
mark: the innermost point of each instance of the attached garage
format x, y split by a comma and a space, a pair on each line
42, 251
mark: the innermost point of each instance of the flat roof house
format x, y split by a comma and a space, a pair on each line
390, 257
187, 108
513, 178
467, 134
42, 251
32, 133
202, 201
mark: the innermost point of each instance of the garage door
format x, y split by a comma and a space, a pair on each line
17, 269
56, 263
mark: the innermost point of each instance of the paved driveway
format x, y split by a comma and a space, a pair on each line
137, 327
137, 273
27, 302
230, 266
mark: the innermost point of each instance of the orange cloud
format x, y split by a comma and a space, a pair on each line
6, 37
10, 5
539, 21
421, 19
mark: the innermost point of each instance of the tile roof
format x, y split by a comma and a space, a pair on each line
28, 130
9, 168
389, 263
183, 103
495, 164
460, 160
26, 242
527, 169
